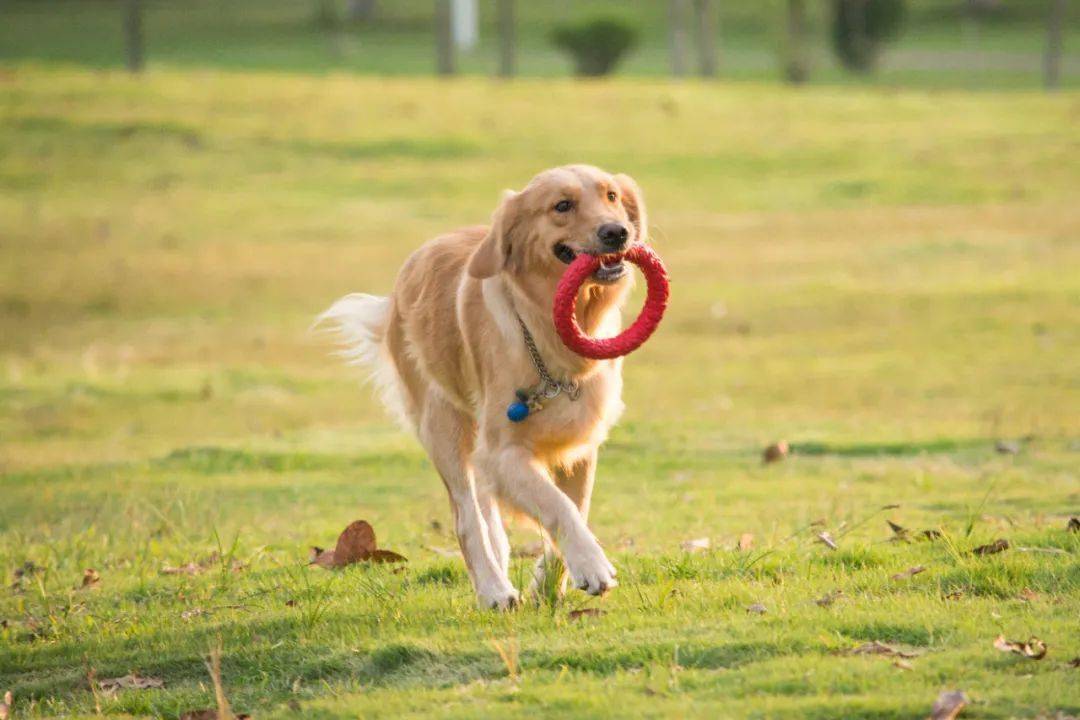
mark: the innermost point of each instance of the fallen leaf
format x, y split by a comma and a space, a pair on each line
757, 609
1074, 524
746, 542
775, 452
355, 544
826, 538
948, 705
695, 545
5, 707
132, 681
903, 664
829, 598
999, 545
1007, 447
1027, 595
909, 573
900, 533
879, 648
90, 578
1034, 648
586, 612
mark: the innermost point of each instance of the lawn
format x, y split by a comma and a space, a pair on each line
889, 280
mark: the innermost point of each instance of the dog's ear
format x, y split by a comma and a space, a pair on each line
496, 249
632, 201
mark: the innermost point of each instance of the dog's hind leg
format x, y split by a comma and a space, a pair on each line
448, 436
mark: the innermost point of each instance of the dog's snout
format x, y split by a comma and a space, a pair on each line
612, 236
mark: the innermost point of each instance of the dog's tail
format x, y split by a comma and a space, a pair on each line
359, 321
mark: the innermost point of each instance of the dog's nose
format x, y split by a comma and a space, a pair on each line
612, 236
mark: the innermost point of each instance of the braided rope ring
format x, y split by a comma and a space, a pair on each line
632, 337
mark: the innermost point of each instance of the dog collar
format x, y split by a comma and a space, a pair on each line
530, 400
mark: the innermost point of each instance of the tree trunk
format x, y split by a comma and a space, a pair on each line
444, 37
507, 38
133, 36
706, 38
677, 34
1054, 30
795, 67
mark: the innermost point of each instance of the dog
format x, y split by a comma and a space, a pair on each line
455, 342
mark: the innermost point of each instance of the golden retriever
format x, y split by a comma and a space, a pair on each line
448, 350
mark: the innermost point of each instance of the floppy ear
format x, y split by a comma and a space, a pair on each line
495, 250
630, 194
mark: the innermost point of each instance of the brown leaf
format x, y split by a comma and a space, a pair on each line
132, 681
1074, 524
386, 556
999, 545
775, 452
757, 609
829, 598
696, 544
356, 543
586, 612
746, 542
879, 648
909, 573
90, 578
1034, 648
900, 532
826, 538
948, 705
1027, 595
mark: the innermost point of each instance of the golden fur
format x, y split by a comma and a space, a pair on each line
450, 334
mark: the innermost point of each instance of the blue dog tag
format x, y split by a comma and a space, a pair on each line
517, 411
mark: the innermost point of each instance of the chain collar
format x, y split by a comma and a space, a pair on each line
549, 387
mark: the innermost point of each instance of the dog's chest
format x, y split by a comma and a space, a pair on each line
566, 423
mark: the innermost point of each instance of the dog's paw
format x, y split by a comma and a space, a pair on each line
591, 571
499, 598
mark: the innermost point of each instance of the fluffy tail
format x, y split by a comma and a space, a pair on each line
359, 321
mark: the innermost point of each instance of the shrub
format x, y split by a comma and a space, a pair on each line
861, 27
596, 45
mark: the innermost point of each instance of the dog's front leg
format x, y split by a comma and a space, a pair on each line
523, 481
576, 480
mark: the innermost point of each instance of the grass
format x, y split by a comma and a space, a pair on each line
941, 46
888, 280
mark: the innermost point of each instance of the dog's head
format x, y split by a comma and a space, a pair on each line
561, 213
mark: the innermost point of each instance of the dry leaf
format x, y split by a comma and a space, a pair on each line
586, 612
132, 681
695, 545
90, 578
948, 705
746, 542
829, 598
880, 648
1027, 595
903, 664
1034, 648
775, 452
355, 544
909, 573
826, 538
900, 533
1074, 524
995, 547
757, 609
5, 707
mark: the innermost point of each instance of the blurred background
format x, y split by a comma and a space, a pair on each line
932, 43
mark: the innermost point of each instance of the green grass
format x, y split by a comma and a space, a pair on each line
888, 280
940, 46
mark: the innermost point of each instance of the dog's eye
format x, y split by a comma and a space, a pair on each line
611, 196
564, 206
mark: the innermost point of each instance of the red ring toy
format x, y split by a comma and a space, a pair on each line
632, 337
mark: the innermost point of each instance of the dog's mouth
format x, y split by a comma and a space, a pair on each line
612, 267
